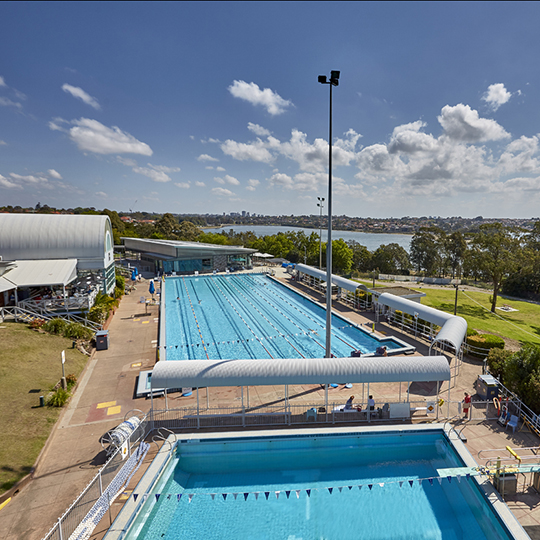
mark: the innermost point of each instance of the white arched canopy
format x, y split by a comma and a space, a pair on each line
339, 281
453, 328
211, 373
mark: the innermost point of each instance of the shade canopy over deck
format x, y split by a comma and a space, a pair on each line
212, 373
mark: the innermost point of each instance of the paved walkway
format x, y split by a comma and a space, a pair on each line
106, 393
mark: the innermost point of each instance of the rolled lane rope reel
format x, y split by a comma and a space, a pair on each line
124, 431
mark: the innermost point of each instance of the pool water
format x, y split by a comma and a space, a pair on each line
337, 487
251, 316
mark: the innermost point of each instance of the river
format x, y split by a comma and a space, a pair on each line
371, 240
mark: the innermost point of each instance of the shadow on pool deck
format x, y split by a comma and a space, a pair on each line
73, 454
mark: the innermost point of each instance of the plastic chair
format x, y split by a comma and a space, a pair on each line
513, 422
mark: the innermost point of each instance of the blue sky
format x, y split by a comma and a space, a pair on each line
215, 107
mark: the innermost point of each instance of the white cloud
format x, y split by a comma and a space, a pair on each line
281, 179
8, 184
56, 124
3, 143
255, 151
6, 102
520, 155
200, 184
79, 93
496, 95
219, 180
206, 157
463, 124
182, 185
409, 139
232, 180
93, 136
222, 192
252, 184
220, 169
158, 173
126, 161
209, 168
29, 178
258, 130
55, 174
101, 194
251, 92
2, 81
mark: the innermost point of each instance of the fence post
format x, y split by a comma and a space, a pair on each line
100, 483
60, 528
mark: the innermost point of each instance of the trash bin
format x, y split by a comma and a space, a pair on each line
102, 340
486, 387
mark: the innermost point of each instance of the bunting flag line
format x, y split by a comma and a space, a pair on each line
330, 489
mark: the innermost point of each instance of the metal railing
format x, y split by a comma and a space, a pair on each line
72, 517
20, 314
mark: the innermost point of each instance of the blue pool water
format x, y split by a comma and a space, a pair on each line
252, 316
333, 487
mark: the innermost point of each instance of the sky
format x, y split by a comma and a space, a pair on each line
215, 107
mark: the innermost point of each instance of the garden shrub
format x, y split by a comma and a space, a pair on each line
120, 282
496, 361
471, 332
58, 398
55, 326
484, 341
78, 331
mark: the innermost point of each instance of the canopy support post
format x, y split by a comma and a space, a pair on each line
243, 409
198, 410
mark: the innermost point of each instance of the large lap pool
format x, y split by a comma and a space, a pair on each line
357, 484
251, 316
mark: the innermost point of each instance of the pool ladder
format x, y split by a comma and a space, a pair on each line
459, 433
163, 435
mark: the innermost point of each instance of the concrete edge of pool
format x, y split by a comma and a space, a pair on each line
121, 525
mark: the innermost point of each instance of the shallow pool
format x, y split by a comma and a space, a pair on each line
361, 485
253, 316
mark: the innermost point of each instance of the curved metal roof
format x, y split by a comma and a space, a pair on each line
453, 328
341, 282
201, 373
46, 236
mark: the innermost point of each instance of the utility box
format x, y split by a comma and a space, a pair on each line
102, 340
486, 387
506, 484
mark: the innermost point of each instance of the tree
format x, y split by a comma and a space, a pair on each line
494, 249
167, 227
391, 259
361, 256
425, 252
455, 248
188, 231
342, 256
521, 374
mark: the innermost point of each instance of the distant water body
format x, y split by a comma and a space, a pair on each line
371, 240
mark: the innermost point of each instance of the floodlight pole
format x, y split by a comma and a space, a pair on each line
334, 81
320, 204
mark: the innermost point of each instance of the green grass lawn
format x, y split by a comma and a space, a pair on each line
30, 365
522, 325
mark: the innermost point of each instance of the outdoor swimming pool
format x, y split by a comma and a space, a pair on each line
251, 316
370, 484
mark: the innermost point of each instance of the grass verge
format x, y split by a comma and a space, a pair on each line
30, 366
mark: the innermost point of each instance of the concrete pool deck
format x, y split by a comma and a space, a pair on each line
73, 453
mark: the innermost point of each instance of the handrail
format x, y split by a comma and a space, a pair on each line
531, 448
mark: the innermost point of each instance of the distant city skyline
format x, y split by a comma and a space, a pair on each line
212, 107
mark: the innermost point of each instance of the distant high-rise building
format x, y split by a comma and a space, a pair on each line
243, 213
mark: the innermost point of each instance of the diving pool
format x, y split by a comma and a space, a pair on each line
366, 483
251, 316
